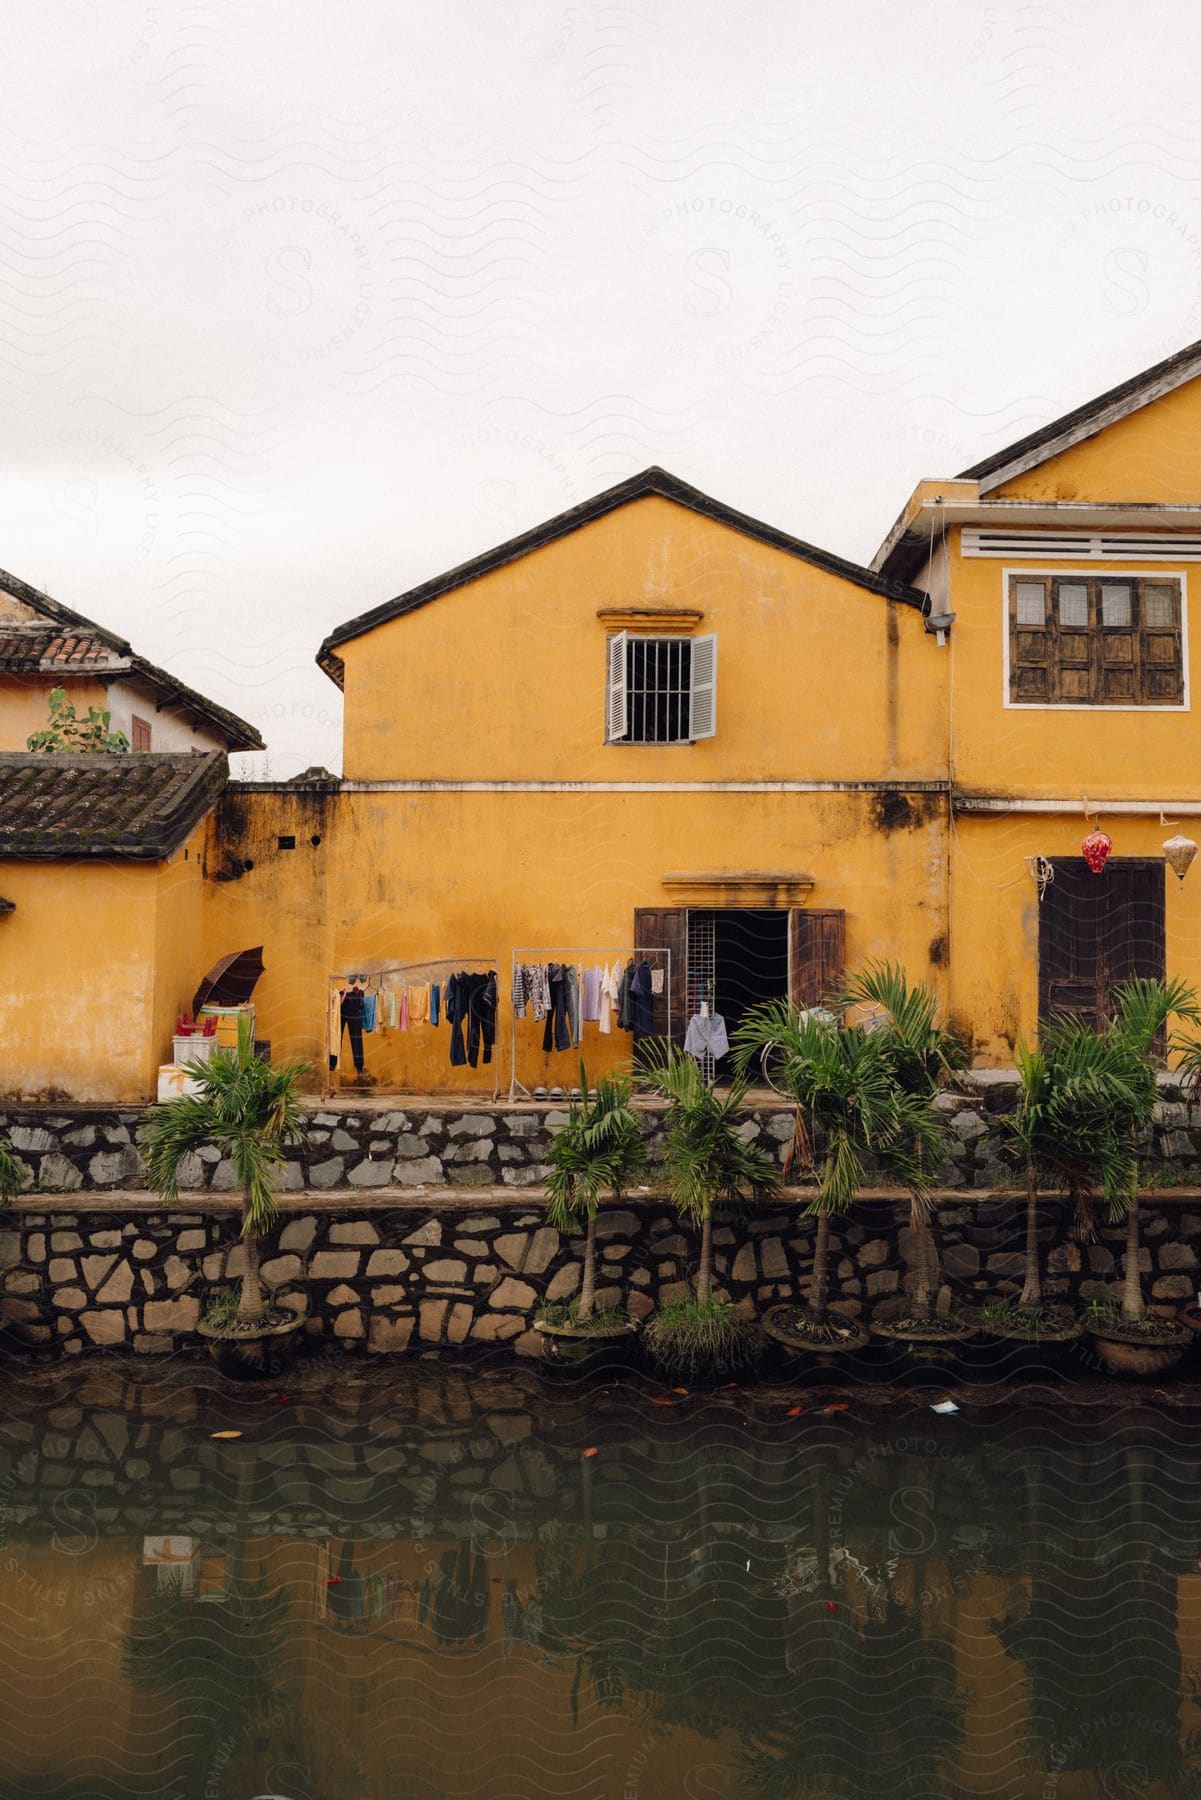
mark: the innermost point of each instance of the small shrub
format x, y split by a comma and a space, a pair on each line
701, 1337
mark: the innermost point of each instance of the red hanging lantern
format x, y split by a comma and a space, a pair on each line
1095, 849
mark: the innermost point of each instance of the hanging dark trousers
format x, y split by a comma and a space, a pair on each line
352, 1022
558, 1030
482, 999
455, 1007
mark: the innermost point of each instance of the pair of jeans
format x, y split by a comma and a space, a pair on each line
558, 1029
482, 1001
352, 1022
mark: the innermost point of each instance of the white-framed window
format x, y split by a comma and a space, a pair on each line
660, 690
1083, 639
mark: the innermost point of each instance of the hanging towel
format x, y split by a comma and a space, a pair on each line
370, 1008
404, 1009
609, 987
419, 1004
592, 993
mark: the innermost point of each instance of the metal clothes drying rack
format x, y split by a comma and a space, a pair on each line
540, 955
377, 976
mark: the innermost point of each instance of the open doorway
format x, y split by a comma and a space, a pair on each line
737, 958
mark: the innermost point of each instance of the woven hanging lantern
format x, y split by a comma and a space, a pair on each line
1095, 849
1179, 853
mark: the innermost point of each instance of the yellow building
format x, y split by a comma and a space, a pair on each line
655, 725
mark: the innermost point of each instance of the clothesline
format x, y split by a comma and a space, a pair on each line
554, 1004
471, 1000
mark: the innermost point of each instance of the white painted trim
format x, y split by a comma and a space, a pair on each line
1097, 546
1091, 574
1091, 427
1081, 809
874, 786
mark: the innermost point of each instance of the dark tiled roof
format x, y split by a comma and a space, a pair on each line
69, 649
138, 805
1128, 396
26, 647
650, 481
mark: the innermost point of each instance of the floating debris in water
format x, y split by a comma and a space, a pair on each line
225, 1434
944, 1406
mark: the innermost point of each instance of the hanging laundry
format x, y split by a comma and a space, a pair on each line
658, 980
370, 1006
642, 1010
335, 1025
435, 1002
625, 1017
571, 1000
610, 987
419, 1004
558, 1031
530, 990
393, 1010
404, 1008
482, 1003
456, 1002
706, 1036
592, 993
351, 1020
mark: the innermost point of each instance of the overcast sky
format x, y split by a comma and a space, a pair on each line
303, 303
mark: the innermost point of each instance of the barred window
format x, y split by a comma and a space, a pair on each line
660, 690
1095, 641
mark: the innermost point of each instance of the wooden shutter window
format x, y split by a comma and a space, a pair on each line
616, 703
1101, 642
141, 733
702, 718
817, 953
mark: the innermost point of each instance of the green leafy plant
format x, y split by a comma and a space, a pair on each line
12, 1173
706, 1162
1076, 1094
252, 1111
67, 732
922, 1055
697, 1336
1139, 1029
596, 1152
567, 1312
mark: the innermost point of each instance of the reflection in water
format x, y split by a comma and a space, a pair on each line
430, 1583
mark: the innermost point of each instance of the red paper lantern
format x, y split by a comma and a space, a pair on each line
1095, 849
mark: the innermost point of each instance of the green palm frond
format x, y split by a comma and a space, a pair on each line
706, 1160
597, 1151
250, 1109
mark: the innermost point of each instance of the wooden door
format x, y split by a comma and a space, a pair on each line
665, 928
817, 950
1095, 931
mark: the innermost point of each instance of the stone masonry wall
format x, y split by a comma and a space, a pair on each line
389, 1274
419, 1143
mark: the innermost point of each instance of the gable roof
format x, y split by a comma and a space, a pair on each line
1087, 420
140, 805
637, 487
67, 643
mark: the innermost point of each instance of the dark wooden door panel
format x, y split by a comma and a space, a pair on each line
1095, 931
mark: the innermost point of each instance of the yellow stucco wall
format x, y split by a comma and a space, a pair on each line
25, 705
1153, 455
504, 678
77, 998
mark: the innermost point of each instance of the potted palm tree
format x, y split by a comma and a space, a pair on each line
848, 1107
251, 1111
1129, 1339
1066, 1131
922, 1055
595, 1152
708, 1166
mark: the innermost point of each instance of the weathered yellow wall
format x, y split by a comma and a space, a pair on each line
282, 903
1122, 753
994, 917
178, 945
504, 678
77, 986
1152, 455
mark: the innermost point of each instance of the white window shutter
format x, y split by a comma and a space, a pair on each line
616, 718
703, 708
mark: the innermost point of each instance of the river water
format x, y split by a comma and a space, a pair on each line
428, 1582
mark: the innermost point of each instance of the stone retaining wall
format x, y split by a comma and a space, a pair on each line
424, 1142
390, 1273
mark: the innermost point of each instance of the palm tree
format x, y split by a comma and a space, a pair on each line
921, 1054
251, 1111
706, 1162
12, 1173
1073, 1093
847, 1102
1144, 1011
598, 1150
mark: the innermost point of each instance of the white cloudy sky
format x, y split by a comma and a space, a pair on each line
303, 303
